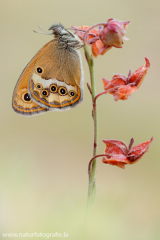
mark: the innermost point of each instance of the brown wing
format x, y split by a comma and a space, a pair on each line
21, 101
55, 81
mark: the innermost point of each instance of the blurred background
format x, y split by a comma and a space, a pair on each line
44, 159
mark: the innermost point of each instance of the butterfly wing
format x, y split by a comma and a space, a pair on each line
56, 79
21, 100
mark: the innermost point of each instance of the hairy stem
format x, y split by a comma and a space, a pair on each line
92, 184
102, 93
99, 155
88, 30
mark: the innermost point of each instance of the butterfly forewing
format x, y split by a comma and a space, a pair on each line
57, 67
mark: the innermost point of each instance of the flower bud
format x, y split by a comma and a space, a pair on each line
113, 33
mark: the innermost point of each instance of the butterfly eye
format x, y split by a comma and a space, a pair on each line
38, 86
62, 91
53, 88
39, 70
71, 93
44, 93
26, 97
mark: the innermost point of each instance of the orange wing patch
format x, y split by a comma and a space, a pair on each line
21, 101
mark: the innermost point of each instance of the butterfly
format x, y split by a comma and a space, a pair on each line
53, 78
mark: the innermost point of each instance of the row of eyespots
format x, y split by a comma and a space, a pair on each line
54, 89
26, 97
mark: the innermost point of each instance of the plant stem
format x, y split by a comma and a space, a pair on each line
92, 184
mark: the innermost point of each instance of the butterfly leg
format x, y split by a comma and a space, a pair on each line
75, 44
80, 46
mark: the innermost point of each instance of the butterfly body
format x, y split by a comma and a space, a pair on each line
53, 78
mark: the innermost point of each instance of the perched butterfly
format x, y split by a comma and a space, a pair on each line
53, 78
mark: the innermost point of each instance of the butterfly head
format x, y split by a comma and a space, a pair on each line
64, 36
58, 29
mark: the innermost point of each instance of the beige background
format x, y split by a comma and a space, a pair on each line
44, 159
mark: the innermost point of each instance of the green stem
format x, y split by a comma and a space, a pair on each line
92, 184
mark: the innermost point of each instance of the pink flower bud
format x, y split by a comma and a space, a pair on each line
113, 33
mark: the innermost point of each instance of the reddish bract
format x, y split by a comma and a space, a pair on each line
121, 87
117, 153
98, 47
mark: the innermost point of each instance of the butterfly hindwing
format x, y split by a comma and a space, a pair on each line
21, 100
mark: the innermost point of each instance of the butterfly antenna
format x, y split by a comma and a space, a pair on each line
44, 32
43, 29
